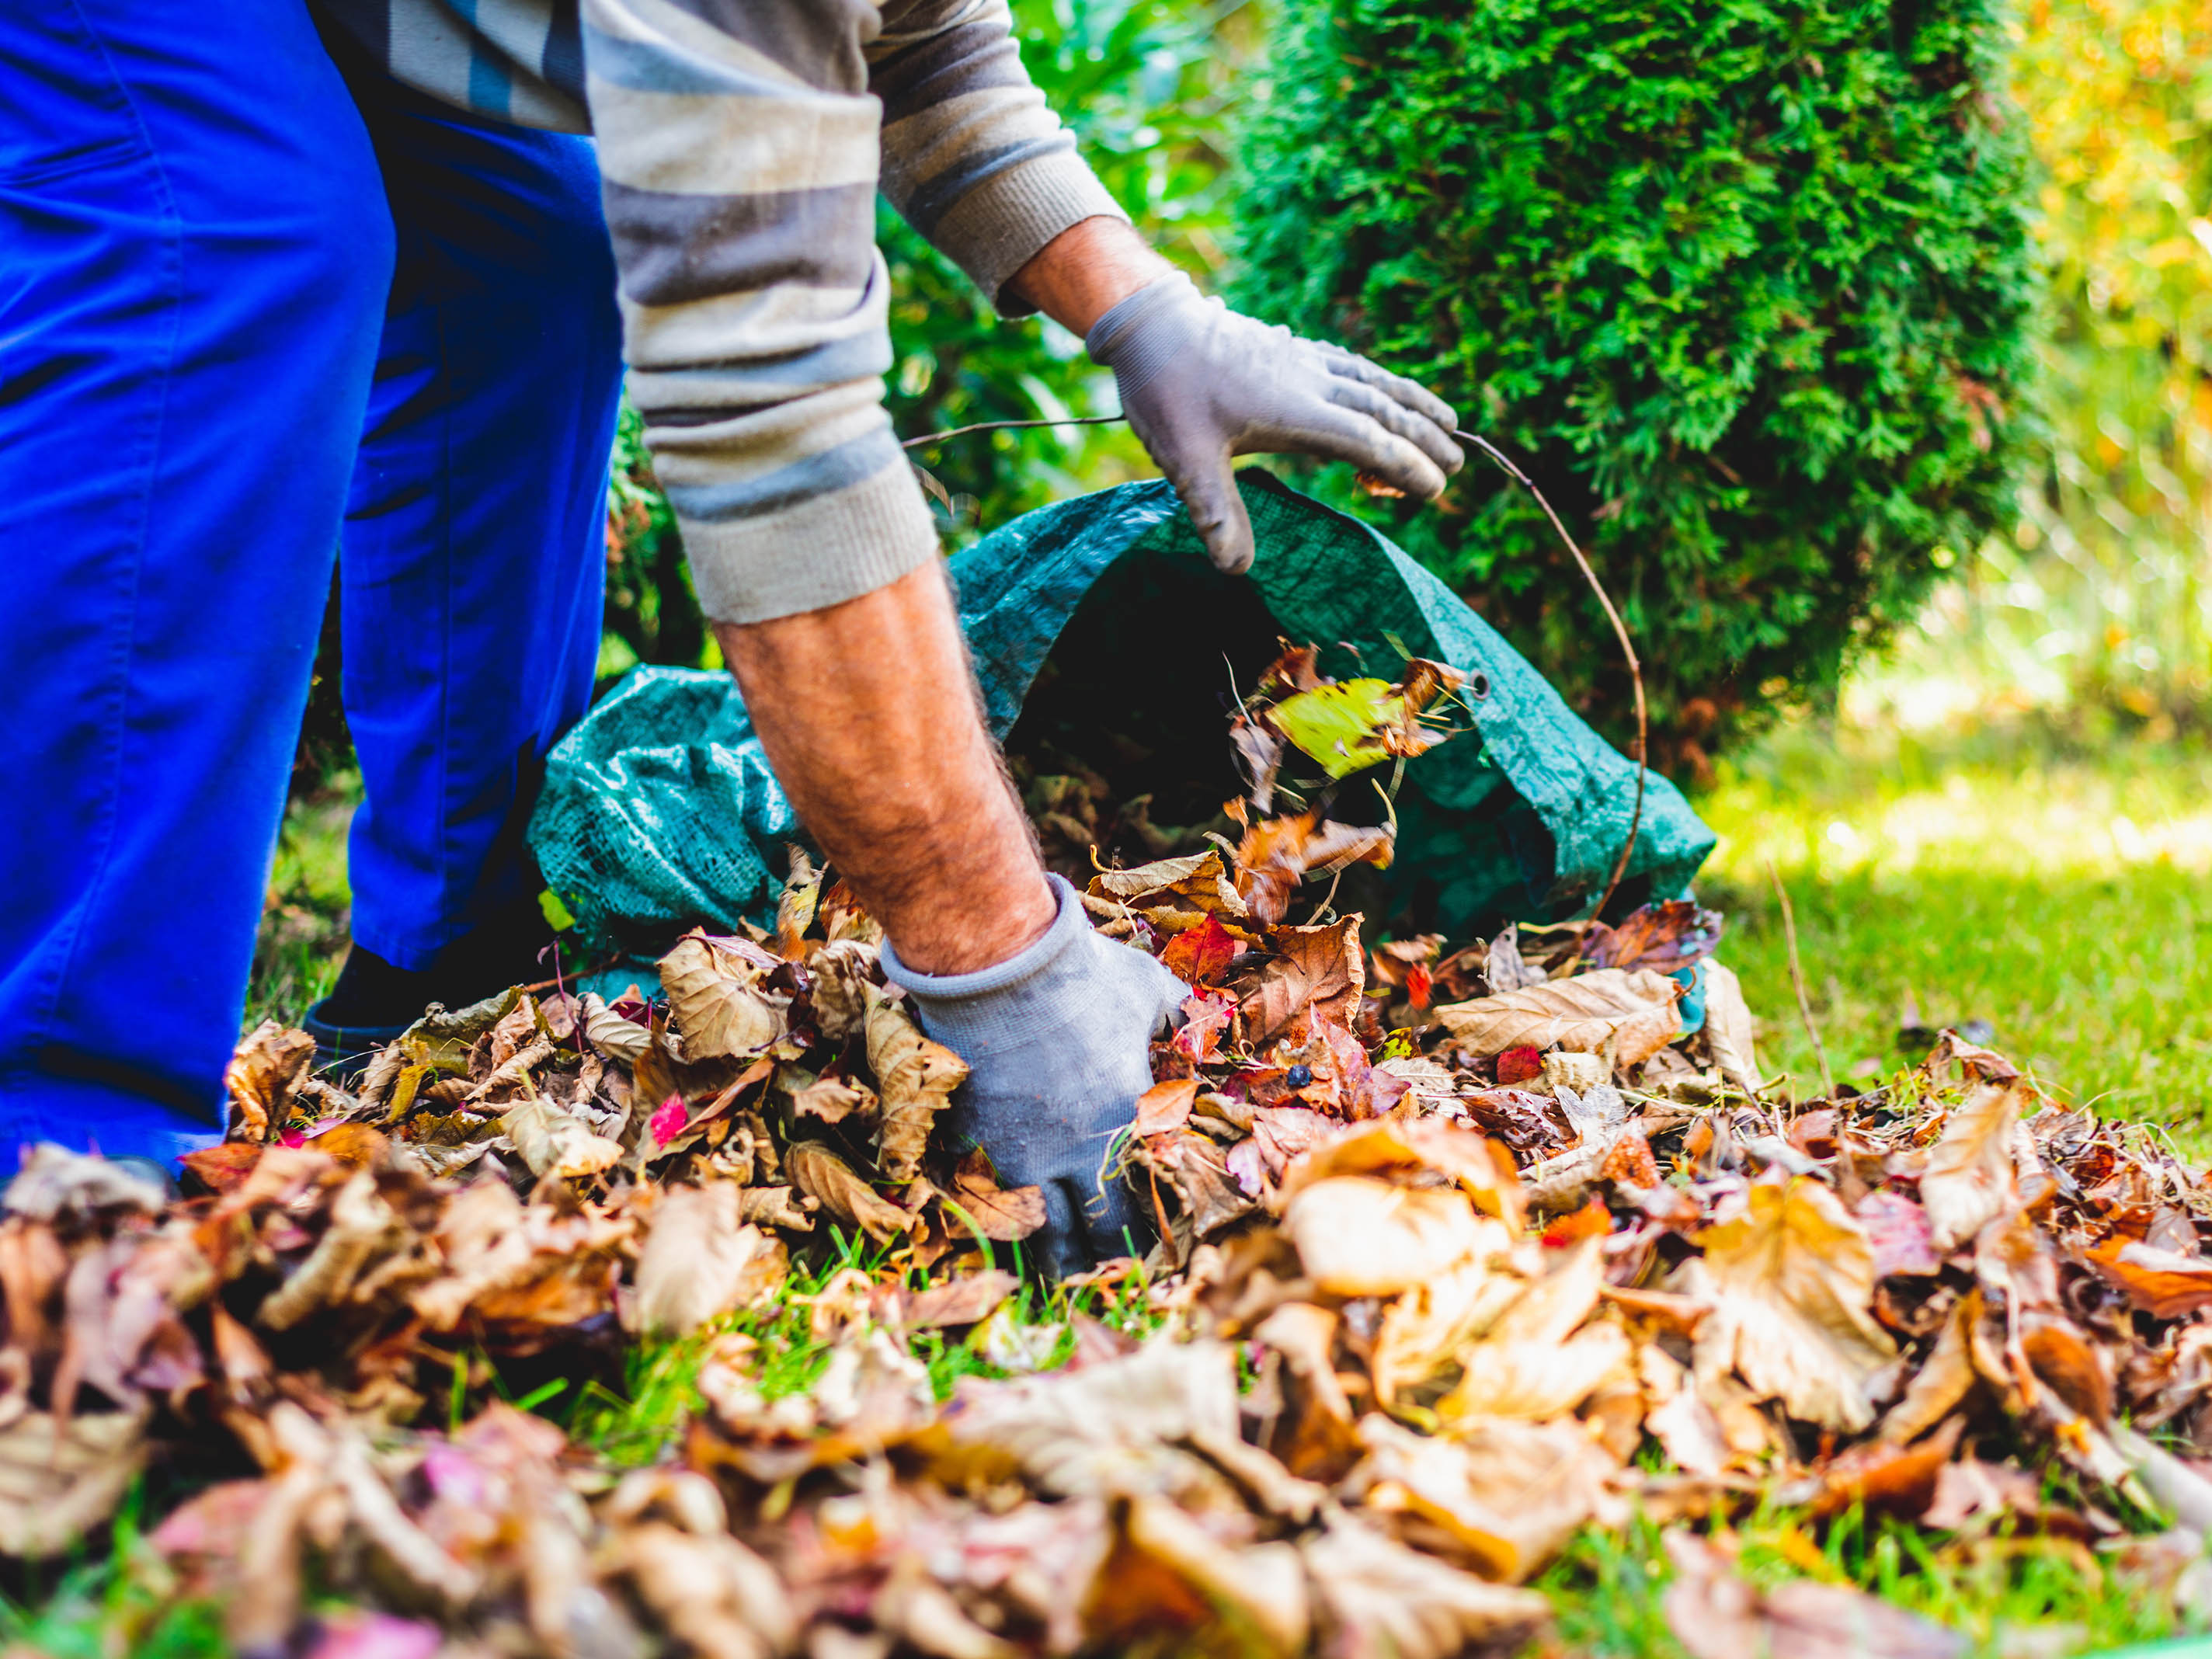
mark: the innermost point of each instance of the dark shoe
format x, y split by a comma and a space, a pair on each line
374, 1002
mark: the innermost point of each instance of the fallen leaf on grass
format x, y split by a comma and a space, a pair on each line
1173, 893
1381, 1598
1201, 955
1716, 1615
53, 1182
915, 1078
1313, 974
1791, 1277
820, 1174
1505, 1495
700, 1260
1899, 1233
1968, 1179
1164, 1107
1634, 1012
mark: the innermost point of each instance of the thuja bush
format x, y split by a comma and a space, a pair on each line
1746, 286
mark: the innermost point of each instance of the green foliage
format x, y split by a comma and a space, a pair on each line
651, 614
1745, 284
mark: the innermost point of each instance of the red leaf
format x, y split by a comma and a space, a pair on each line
1418, 983
1201, 955
1522, 1065
668, 1119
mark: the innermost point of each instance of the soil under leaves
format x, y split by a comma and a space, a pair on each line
1463, 1249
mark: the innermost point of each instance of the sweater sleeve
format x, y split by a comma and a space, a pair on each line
741, 144
972, 158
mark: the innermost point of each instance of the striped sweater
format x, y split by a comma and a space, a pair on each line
741, 144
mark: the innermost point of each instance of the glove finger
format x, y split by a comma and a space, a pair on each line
1324, 428
1412, 393
1208, 492
1433, 440
1062, 1245
1116, 1223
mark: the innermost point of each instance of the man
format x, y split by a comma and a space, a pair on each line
253, 305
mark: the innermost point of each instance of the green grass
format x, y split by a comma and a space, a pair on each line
2007, 1594
2058, 891
304, 914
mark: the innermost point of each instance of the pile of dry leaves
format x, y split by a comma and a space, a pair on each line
1457, 1247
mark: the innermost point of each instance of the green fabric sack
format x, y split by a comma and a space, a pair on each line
659, 811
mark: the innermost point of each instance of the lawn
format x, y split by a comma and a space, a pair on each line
2054, 890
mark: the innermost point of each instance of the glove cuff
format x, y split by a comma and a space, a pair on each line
1069, 925
1131, 339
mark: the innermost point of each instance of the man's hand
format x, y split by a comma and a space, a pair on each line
1055, 1041
1201, 384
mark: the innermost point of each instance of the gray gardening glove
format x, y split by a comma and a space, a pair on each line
1201, 383
1055, 1043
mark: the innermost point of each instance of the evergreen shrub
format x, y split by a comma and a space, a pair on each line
1746, 285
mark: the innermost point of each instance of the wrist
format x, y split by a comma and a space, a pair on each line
1086, 270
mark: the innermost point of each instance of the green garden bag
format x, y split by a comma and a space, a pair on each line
659, 811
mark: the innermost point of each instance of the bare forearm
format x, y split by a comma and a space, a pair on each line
868, 712
1086, 270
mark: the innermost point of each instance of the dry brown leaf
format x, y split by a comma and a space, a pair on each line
1379, 1598
1791, 1276
1729, 1028
363, 1230
844, 977
968, 1301
1003, 1214
820, 1174
1505, 1495
555, 1142
1115, 1428
1410, 1150
2164, 1284
699, 1260
716, 990
1941, 1381
831, 1098
1164, 1107
1173, 893
59, 1478
915, 1078
262, 1071
1430, 1325
1537, 1361
1359, 1237
616, 1038
711, 1593
1262, 1585
1968, 1179
1634, 1012
53, 1182
1313, 974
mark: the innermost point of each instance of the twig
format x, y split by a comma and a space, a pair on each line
1797, 979
1008, 426
1627, 652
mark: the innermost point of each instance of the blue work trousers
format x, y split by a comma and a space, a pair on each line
254, 310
